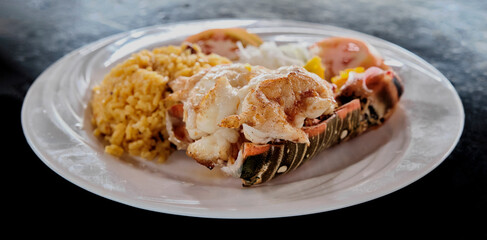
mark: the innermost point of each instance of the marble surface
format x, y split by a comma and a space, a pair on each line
451, 35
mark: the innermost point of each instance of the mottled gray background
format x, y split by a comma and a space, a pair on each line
451, 35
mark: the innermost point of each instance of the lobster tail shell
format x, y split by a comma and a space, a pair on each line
265, 162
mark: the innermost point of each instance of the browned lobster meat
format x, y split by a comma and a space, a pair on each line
256, 123
364, 102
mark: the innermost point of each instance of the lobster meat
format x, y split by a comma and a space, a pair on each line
257, 124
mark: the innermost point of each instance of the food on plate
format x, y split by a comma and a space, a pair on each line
365, 102
127, 106
343, 75
340, 53
223, 41
257, 123
379, 92
227, 105
272, 56
314, 65
255, 109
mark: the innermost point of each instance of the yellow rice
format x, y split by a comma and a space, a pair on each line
128, 105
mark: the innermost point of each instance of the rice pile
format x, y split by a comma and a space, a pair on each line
128, 105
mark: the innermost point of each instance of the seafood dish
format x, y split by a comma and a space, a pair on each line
255, 109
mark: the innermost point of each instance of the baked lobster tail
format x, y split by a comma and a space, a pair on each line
257, 123
366, 103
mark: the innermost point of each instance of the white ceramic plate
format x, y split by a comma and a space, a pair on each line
419, 136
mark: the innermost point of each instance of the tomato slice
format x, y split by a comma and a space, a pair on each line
223, 41
340, 53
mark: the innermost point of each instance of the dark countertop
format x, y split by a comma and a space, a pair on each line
451, 35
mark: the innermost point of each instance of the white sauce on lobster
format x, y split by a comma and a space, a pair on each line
223, 102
